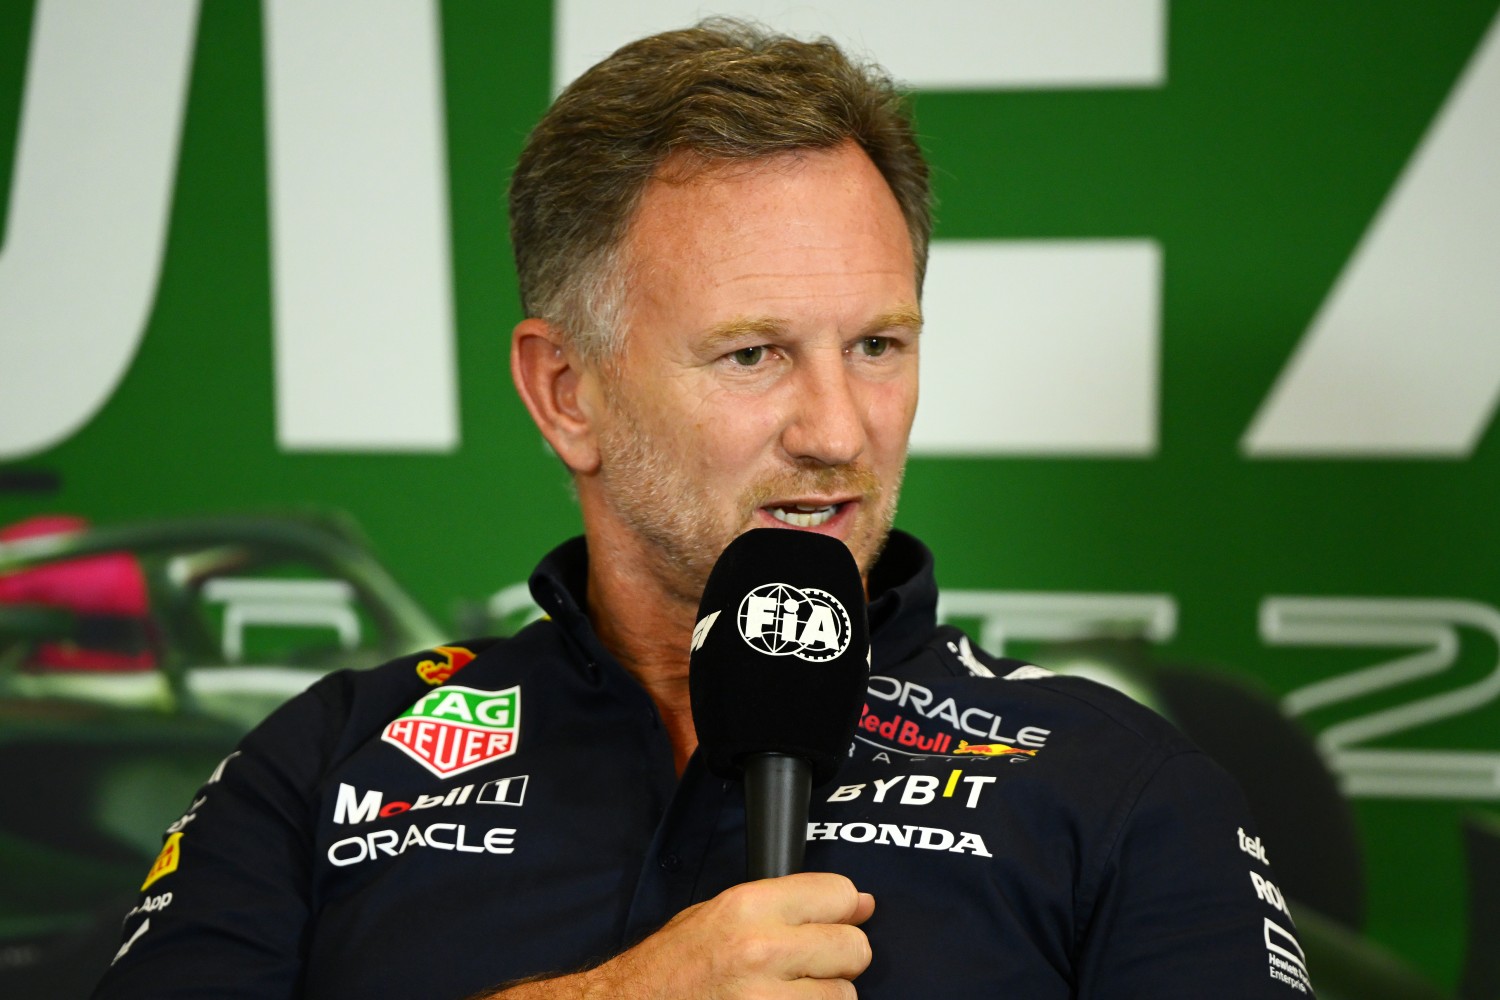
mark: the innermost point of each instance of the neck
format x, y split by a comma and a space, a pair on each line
648, 630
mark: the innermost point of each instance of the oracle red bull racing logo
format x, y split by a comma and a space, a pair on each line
929, 723
781, 620
456, 729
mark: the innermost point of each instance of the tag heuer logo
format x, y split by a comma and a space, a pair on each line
455, 729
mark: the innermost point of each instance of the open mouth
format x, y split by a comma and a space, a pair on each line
804, 515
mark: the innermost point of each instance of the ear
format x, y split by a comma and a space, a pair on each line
552, 383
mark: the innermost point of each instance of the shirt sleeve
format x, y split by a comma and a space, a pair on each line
1187, 905
224, 909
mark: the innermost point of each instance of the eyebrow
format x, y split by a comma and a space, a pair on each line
743, 328
903, 318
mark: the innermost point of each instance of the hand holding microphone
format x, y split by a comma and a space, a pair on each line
794, 937
779, 664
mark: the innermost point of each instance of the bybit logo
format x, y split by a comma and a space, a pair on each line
781, 620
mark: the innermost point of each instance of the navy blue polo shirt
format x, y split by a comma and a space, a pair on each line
492, 810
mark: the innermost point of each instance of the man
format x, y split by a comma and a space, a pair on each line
720, 237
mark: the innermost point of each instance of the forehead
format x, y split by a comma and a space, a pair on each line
783, 231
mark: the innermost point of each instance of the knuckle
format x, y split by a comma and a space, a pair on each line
733, 904
746, 897
866, 954
855, 945
843, 886
756, 951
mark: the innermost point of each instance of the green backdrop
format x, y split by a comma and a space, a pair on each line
1256, 166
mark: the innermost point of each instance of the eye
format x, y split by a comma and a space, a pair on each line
874, 347
749, 357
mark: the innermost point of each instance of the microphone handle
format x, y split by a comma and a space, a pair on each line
777, 789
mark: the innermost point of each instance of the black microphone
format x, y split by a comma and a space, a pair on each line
780, 660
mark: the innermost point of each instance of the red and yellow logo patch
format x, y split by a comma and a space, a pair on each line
451, 659
166, 862
992, 749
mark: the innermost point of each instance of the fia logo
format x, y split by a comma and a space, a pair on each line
781, 620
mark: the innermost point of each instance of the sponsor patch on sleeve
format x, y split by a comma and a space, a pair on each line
166, 862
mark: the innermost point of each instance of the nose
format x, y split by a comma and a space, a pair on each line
827, 424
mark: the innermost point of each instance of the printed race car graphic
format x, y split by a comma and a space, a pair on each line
132, 660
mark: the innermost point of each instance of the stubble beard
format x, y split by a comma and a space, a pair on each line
643, 483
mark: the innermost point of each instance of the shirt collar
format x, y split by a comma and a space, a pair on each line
902, 610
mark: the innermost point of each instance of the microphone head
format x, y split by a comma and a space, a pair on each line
781, 652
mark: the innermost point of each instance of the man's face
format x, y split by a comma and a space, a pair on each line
769, 373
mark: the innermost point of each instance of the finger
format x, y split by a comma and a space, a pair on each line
822, 989
816, 898
864, 910
828, 951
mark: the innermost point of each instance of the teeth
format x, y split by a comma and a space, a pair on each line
804, 516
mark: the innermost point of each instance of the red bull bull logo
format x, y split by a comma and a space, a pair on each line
450, 660
991, 749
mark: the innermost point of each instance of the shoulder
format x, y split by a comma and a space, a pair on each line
951, 679
342, 711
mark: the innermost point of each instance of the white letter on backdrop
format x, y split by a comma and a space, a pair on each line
360, 255
101, 121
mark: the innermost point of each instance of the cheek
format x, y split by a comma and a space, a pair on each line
736, 433
734, 449
892, 407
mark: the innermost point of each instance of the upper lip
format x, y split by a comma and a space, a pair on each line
810, 502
